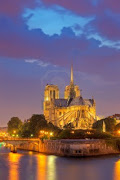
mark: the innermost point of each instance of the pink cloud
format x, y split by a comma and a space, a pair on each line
78, 6
15, 7
108, 26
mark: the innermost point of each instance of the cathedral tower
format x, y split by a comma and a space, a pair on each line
50, 94
72, 90
71, 80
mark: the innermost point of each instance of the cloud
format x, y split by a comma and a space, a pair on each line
88, 55
107, 25
41, 63
31, 61
38, 62
104, 41
83, 7
86, 7
52, 20
15, 8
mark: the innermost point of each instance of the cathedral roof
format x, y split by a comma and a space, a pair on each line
72, 102
89, 102
80, 101
61, 102
77, 101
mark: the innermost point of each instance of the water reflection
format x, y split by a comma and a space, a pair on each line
46, 167
14, 160
41, 166
117, 170
51, 168
34, 166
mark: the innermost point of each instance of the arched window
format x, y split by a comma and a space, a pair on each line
83, 114
78, 113
60, 113
50, 94
54, 94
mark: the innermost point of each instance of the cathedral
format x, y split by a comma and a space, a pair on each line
72, 109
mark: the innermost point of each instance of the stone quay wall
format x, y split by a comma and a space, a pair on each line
78, 148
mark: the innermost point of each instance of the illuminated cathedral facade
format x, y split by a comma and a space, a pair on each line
70, 110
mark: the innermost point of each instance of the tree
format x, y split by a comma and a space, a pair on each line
25, 130
109, 122
37, 123
117, 127
32, 127
14, 125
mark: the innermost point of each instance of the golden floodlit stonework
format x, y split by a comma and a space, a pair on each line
70, 110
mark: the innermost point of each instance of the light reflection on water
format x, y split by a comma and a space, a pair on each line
51, 167
117, 170
33, 166
14, 160
46, 167
41, 166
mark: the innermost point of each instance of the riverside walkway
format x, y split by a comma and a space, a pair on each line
62, 147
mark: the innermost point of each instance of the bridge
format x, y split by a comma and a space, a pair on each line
17, 143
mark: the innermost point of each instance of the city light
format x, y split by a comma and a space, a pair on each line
42, 132
4, 134
51, 133
45, 133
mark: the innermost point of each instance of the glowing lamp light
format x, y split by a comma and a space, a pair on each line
119, 132
42, 132
51, 133
46, 133
31, 135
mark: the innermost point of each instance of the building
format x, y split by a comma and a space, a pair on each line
72, 109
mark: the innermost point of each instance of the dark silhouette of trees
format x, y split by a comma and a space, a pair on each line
14, 125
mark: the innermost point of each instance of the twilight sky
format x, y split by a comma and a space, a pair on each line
39, 39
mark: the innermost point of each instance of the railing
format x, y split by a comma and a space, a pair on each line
20, 139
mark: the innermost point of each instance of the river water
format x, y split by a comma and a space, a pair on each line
35, 166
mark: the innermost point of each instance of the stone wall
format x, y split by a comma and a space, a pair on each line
71, 147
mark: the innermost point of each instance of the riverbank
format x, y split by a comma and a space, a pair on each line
69, 147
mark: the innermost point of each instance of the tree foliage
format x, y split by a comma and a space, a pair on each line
110, 124
35, 124
117, 127
83, 134
15, 124
25, 130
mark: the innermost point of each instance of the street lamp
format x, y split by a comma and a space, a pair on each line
14, 133
31, 135
51, 133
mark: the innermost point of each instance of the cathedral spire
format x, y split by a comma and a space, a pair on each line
72, 81
72, 88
